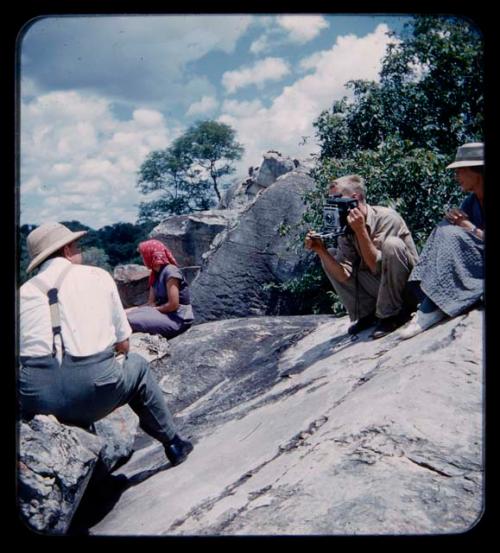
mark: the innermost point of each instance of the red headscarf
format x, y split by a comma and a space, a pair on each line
155, 252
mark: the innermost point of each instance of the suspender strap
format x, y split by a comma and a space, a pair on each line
55, 316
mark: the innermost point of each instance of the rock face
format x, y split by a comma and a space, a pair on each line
273, 166
194, 239
301, 430
117, 431
190, 236
252, 255
56, 463
55, 466
132, 283
244, 193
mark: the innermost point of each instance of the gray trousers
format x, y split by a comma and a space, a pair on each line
83, 390
383, 293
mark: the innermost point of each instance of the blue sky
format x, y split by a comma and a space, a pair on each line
100, 93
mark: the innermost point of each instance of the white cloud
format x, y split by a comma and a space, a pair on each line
136, 59
269, 69
79, 162
148, 118
287, 29
291, 115
302, 28
260, 45
205, 105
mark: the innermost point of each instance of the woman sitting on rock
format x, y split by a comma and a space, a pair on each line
168, 311
451, 266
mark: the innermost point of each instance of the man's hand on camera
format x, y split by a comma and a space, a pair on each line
313, 242
356, 220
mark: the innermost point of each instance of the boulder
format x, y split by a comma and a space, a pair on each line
246, 260
118, 431
189, 236
301, 429
273, 166
54, 467
132, 282
239, 195
56, 463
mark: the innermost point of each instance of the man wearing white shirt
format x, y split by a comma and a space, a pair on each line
74, 344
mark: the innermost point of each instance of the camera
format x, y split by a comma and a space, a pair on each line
335, 211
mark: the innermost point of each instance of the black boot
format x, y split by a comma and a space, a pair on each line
177, 450
362, 324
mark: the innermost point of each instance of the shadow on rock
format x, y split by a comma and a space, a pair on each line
323, 351
102, 495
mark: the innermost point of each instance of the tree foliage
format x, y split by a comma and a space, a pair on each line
187, 175
401, 132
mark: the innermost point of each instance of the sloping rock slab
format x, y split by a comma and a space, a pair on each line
347, 437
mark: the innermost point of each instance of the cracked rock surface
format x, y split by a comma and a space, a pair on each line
300, 430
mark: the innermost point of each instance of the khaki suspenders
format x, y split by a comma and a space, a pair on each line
55, 316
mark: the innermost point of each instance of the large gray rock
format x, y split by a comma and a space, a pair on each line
56, 463
255, 254
132, 283
301, 430
273, 166
54, 467
118, 431
189, 236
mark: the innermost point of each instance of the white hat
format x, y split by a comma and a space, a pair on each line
469, 155
47, 239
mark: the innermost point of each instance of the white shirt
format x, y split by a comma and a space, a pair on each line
92, 315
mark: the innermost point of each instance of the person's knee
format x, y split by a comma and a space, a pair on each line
393, 246
447, 230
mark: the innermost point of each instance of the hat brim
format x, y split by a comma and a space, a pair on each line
456, 164
56, 246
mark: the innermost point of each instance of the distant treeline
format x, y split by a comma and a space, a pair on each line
106, 247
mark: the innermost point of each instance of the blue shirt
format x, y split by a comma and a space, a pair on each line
473, 208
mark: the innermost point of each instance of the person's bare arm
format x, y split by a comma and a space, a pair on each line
330, 265
173, 297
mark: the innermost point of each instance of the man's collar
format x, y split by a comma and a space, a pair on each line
54, 262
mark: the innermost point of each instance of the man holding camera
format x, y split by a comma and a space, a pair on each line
370, 267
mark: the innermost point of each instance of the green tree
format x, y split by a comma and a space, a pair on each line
119, 241
401, 132
186, 175
96, 257
431, 92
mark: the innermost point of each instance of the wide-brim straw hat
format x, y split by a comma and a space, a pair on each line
47, 239
469, 155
